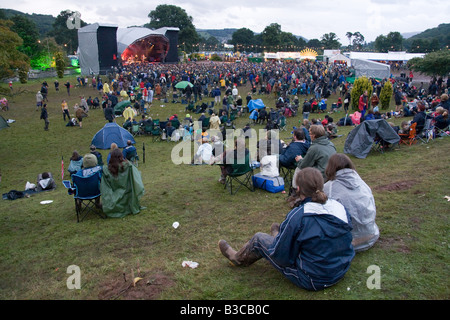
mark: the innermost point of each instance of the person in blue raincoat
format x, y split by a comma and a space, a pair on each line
312, 247
254, 115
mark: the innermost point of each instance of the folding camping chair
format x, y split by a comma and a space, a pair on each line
156, 130
288, 175
409, 138
135, 130
282, 123
427, 133
242, 175
87, 195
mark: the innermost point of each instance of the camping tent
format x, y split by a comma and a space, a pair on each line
255, 104
120, 107
112, 133
3, 123
360, 140
370, 69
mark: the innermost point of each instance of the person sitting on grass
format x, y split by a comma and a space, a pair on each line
346, 186
298, 147
313, 245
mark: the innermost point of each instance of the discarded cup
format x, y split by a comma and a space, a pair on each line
190, 264
175, 224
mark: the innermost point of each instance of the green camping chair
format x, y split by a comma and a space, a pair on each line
135, 130
156, 130
282, 123
241, 175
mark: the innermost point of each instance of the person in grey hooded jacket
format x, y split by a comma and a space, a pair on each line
346, 186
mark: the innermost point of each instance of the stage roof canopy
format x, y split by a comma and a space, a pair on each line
139, 43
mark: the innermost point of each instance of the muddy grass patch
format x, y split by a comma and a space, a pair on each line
397, 186
148, 286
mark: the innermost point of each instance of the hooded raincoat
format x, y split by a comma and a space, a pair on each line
121, 194
356, 196
313, 247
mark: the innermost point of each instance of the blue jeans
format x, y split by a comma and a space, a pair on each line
259, 245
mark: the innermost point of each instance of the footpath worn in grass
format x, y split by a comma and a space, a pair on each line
39, 242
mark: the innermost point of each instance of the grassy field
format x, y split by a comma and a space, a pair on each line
39, 242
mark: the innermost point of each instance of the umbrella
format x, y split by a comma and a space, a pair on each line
183, 84
255, 104
118, 108
112, 133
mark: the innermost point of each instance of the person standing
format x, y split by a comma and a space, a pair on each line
80, 114
306, 109
56, 85
362, 104
65, 110
39, 99
44, 116
67, 84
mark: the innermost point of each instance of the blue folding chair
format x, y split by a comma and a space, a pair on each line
87, 195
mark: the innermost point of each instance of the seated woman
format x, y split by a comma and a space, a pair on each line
112, 148
76, 163
441, 120
45, 181
346, 186
121, 187
312, 248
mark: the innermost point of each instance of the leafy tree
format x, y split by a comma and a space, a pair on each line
330, 41
433, 64
359, 86
243, 37
172, 16
392, 42
271, 36
386, 95
358, 41
208, 43
27, 30
63, 34
60, 62
349, 36
314, 43
11, 59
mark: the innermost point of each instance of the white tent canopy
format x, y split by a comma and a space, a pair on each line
370, 69
389, 56
340, 57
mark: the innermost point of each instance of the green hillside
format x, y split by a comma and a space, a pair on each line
43, 21
439, 35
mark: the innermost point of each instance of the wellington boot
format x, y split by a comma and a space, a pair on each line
228, 252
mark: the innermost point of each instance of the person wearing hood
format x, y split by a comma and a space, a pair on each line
312, 247
346, 186
319, 152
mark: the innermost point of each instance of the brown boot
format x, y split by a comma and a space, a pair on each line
244, 257
228, 252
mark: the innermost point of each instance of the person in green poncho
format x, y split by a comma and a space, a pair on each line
121, 187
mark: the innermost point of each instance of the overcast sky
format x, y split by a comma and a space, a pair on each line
310, 19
